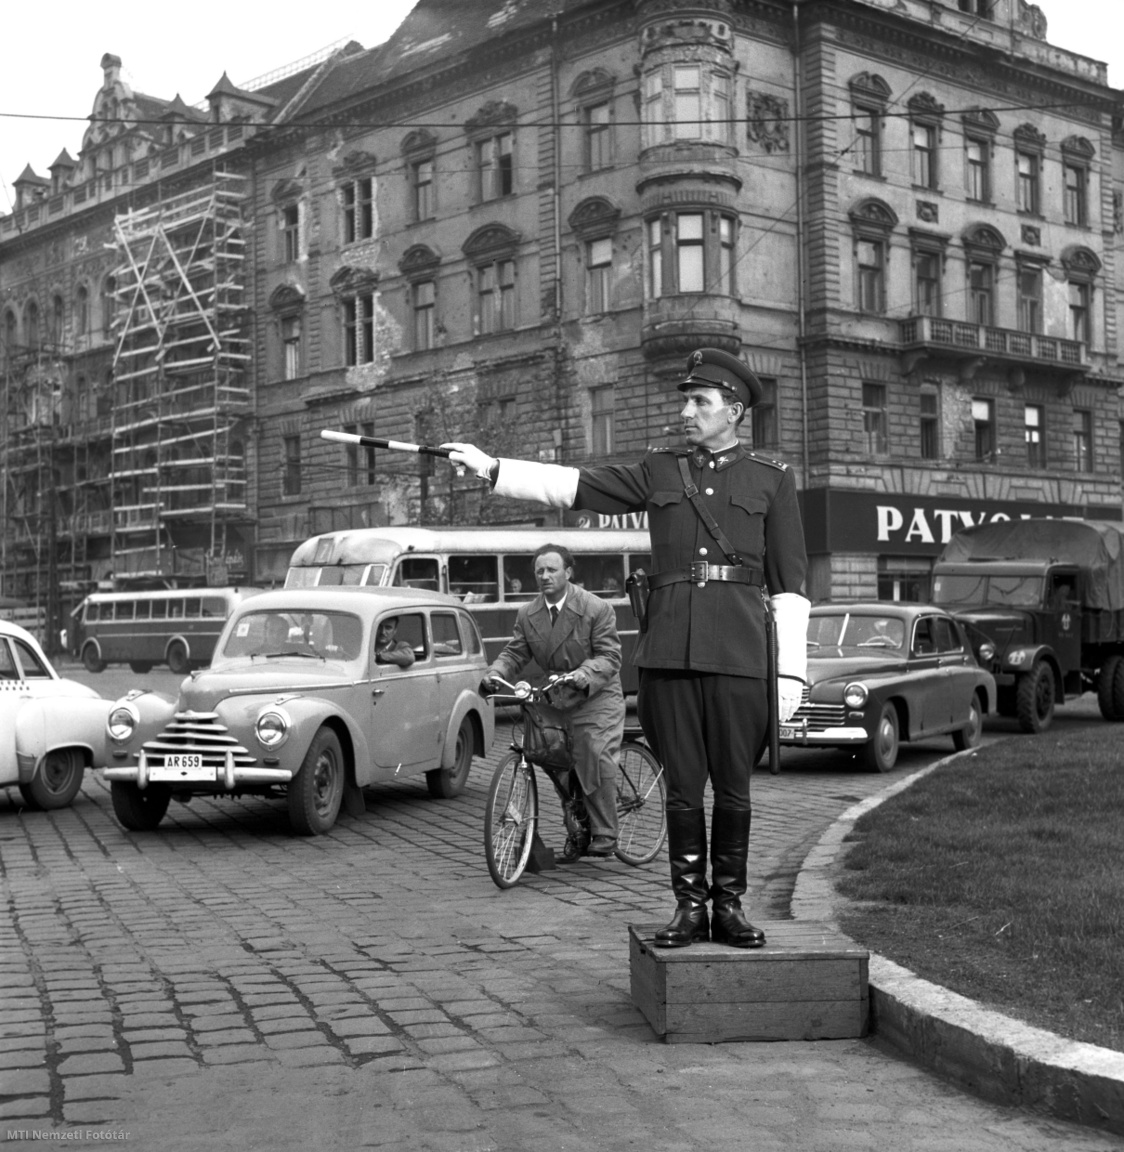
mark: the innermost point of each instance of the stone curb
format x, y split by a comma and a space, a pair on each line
985, 1051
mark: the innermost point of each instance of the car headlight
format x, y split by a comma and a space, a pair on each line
272, 727
855, 695
987, 652
121, 723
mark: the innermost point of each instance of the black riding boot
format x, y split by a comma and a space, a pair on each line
686, 848
729, 849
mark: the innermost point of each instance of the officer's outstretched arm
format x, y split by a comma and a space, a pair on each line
791, 611
523, 479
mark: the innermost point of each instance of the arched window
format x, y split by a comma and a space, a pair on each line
82, 310
108, 304
10, 331
31, 324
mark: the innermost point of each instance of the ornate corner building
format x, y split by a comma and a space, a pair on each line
510, 224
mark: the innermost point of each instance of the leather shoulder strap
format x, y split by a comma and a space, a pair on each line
692, 493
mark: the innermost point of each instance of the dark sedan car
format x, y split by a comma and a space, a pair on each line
880, 673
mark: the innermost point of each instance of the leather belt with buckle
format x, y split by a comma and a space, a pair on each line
701, 574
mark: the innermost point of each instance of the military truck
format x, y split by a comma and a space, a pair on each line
1044, 601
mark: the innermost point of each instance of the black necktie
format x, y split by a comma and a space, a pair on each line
553, 615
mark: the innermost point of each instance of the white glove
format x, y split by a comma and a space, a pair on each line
789, 695
471, 458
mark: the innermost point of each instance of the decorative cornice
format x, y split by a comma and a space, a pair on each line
981, 120
1029, 136
494, 114
592, 85
419, 262
286, 298
1078, 146
491, 242
869, 86
594, 218
286, 191
354, 163
983, 236
925, 104
419, 143
871, 212
1080, 261
351, 281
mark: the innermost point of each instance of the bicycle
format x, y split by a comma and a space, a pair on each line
512, 814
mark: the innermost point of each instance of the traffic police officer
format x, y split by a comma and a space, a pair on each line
703, 700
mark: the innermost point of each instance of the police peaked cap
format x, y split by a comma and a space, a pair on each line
713, 368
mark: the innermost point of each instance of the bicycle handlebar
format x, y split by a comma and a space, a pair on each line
524, 693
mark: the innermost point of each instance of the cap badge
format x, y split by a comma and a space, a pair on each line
696, 359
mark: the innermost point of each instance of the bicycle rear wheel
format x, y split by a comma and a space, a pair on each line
510, 819
641, 796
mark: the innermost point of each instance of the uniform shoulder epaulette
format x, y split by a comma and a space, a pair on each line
675, 450
763, 460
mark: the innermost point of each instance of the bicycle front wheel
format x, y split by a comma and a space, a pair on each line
510, 819
641, 796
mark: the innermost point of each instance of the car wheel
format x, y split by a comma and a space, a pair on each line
969, 735
1110, 688
1036, 698
140, 667
139, 809
177, 658
57, 781
91, 661
881, 754
316, 792
445, 783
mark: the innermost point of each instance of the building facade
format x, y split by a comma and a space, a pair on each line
513, 221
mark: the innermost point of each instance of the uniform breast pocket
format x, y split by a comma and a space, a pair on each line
667, 525
747, 519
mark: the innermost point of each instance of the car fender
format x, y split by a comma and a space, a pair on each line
468, 703
308, 714
154, 710
47, 724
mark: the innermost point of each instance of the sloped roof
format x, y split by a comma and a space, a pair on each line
63, 160
29, 176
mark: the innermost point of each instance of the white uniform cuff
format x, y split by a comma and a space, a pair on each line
545, 483
791, 611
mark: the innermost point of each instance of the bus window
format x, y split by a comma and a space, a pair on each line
518, 578
475, 578
193, 607
214, 607
175, 609
123, 610
159, 609
144, 609
92, 612
417, 572
603, 575
446, 635
374, 576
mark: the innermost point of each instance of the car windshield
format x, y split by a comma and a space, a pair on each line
292, 632
850, 630
971, 589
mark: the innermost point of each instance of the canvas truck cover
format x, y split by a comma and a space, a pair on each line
1094, 545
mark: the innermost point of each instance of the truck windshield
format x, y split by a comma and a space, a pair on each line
994, 590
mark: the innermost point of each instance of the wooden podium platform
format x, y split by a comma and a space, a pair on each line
809, 982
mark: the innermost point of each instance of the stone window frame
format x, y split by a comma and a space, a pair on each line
983, 244
1034, 433
926, 111
667, 276
419, 266
875, 396
287, 196
356, 170
980, 127
1082, 267
765, 417
594, 219
420, 147
872, 221
496, 119
593, 89
870, 96
929, 423
658, 108
924, 243
1077, 154
1036, 262
287, 303
356, 293
1029, 141
492, 246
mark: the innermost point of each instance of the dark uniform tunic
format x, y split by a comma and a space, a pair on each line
703, 700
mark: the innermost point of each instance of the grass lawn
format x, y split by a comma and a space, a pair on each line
1001, 876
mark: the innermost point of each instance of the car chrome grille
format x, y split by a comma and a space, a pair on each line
817, 717
200, 733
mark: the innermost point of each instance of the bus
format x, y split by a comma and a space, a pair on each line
173, 626
489, 569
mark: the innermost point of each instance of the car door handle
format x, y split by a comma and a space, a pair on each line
377, 692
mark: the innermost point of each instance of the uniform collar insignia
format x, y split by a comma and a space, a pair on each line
729, 456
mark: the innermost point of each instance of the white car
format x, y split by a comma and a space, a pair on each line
51, 729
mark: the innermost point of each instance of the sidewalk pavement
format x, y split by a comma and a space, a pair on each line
987, 1052
222, 983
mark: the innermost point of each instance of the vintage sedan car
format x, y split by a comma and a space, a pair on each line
298, 704
51, 729
880, 673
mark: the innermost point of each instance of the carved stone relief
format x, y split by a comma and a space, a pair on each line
928, 211
767, 121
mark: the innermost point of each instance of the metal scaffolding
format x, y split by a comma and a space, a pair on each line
180, 367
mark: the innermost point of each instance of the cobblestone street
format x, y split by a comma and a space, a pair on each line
221, 981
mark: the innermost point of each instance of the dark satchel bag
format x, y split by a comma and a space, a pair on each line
544, 743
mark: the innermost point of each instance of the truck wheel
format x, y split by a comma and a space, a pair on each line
1036, 698
90, 659
1110, 688
177, 659
139, 810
